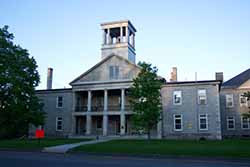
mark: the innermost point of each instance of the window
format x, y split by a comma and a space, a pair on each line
245, 122
113, 72
177, 99
229, 101
202, 97
178, 122
59, 123
230, 123
243, 100
59, 103
203, 122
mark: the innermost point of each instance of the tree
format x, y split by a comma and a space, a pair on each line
247, 95
145, 98
19, 106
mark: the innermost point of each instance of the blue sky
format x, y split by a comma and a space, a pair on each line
193, 35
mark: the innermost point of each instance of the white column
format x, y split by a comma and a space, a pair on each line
89, 100
127, 35
133, 40
105, 114
122, 99
105, 124
88, 116
122, 116
88, 124
121, 34
104, 37
105, 100
109, 37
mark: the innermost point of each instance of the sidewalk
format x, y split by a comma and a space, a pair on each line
66, 147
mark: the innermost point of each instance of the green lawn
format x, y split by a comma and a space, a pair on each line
33, 143
225, 148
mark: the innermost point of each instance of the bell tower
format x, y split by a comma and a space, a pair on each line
119, 39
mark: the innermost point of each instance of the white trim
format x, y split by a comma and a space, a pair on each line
228, 96
57, 101
176, 92
242, 104
198, 96
206, 117
233, 119
57, 124
181, 122
248, 123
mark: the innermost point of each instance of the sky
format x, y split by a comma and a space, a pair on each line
203, 36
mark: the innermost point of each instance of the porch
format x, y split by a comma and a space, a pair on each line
103, 125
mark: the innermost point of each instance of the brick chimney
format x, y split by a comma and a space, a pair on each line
173, 74
49, 78
219, 76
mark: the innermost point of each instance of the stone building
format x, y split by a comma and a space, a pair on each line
191, 110
234, 105
97, 102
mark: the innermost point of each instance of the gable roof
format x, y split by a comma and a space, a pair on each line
237, 80
100, 63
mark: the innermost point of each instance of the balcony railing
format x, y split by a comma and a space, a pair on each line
101, 108
81, 108
114, 108
97, 108
127, 108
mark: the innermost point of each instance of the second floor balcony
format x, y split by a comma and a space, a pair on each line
100, 108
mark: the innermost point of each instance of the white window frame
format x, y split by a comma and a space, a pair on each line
242, 123
57, 102
176, 93
181, 118
200, 117
57, 120
242, 104
228, 96
230, 119
115, 72
200, 94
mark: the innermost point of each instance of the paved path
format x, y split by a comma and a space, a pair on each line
38, 159
66, 147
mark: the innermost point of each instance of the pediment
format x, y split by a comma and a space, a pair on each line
101, 71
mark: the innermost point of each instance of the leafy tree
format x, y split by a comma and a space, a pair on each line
247, 95
145, 98
19, 106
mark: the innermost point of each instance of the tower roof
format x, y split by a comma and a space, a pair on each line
113, 24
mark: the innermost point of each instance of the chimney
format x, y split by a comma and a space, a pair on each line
49, 78
173, 77
219, 76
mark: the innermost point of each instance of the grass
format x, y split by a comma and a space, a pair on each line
34, 144
226, 148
